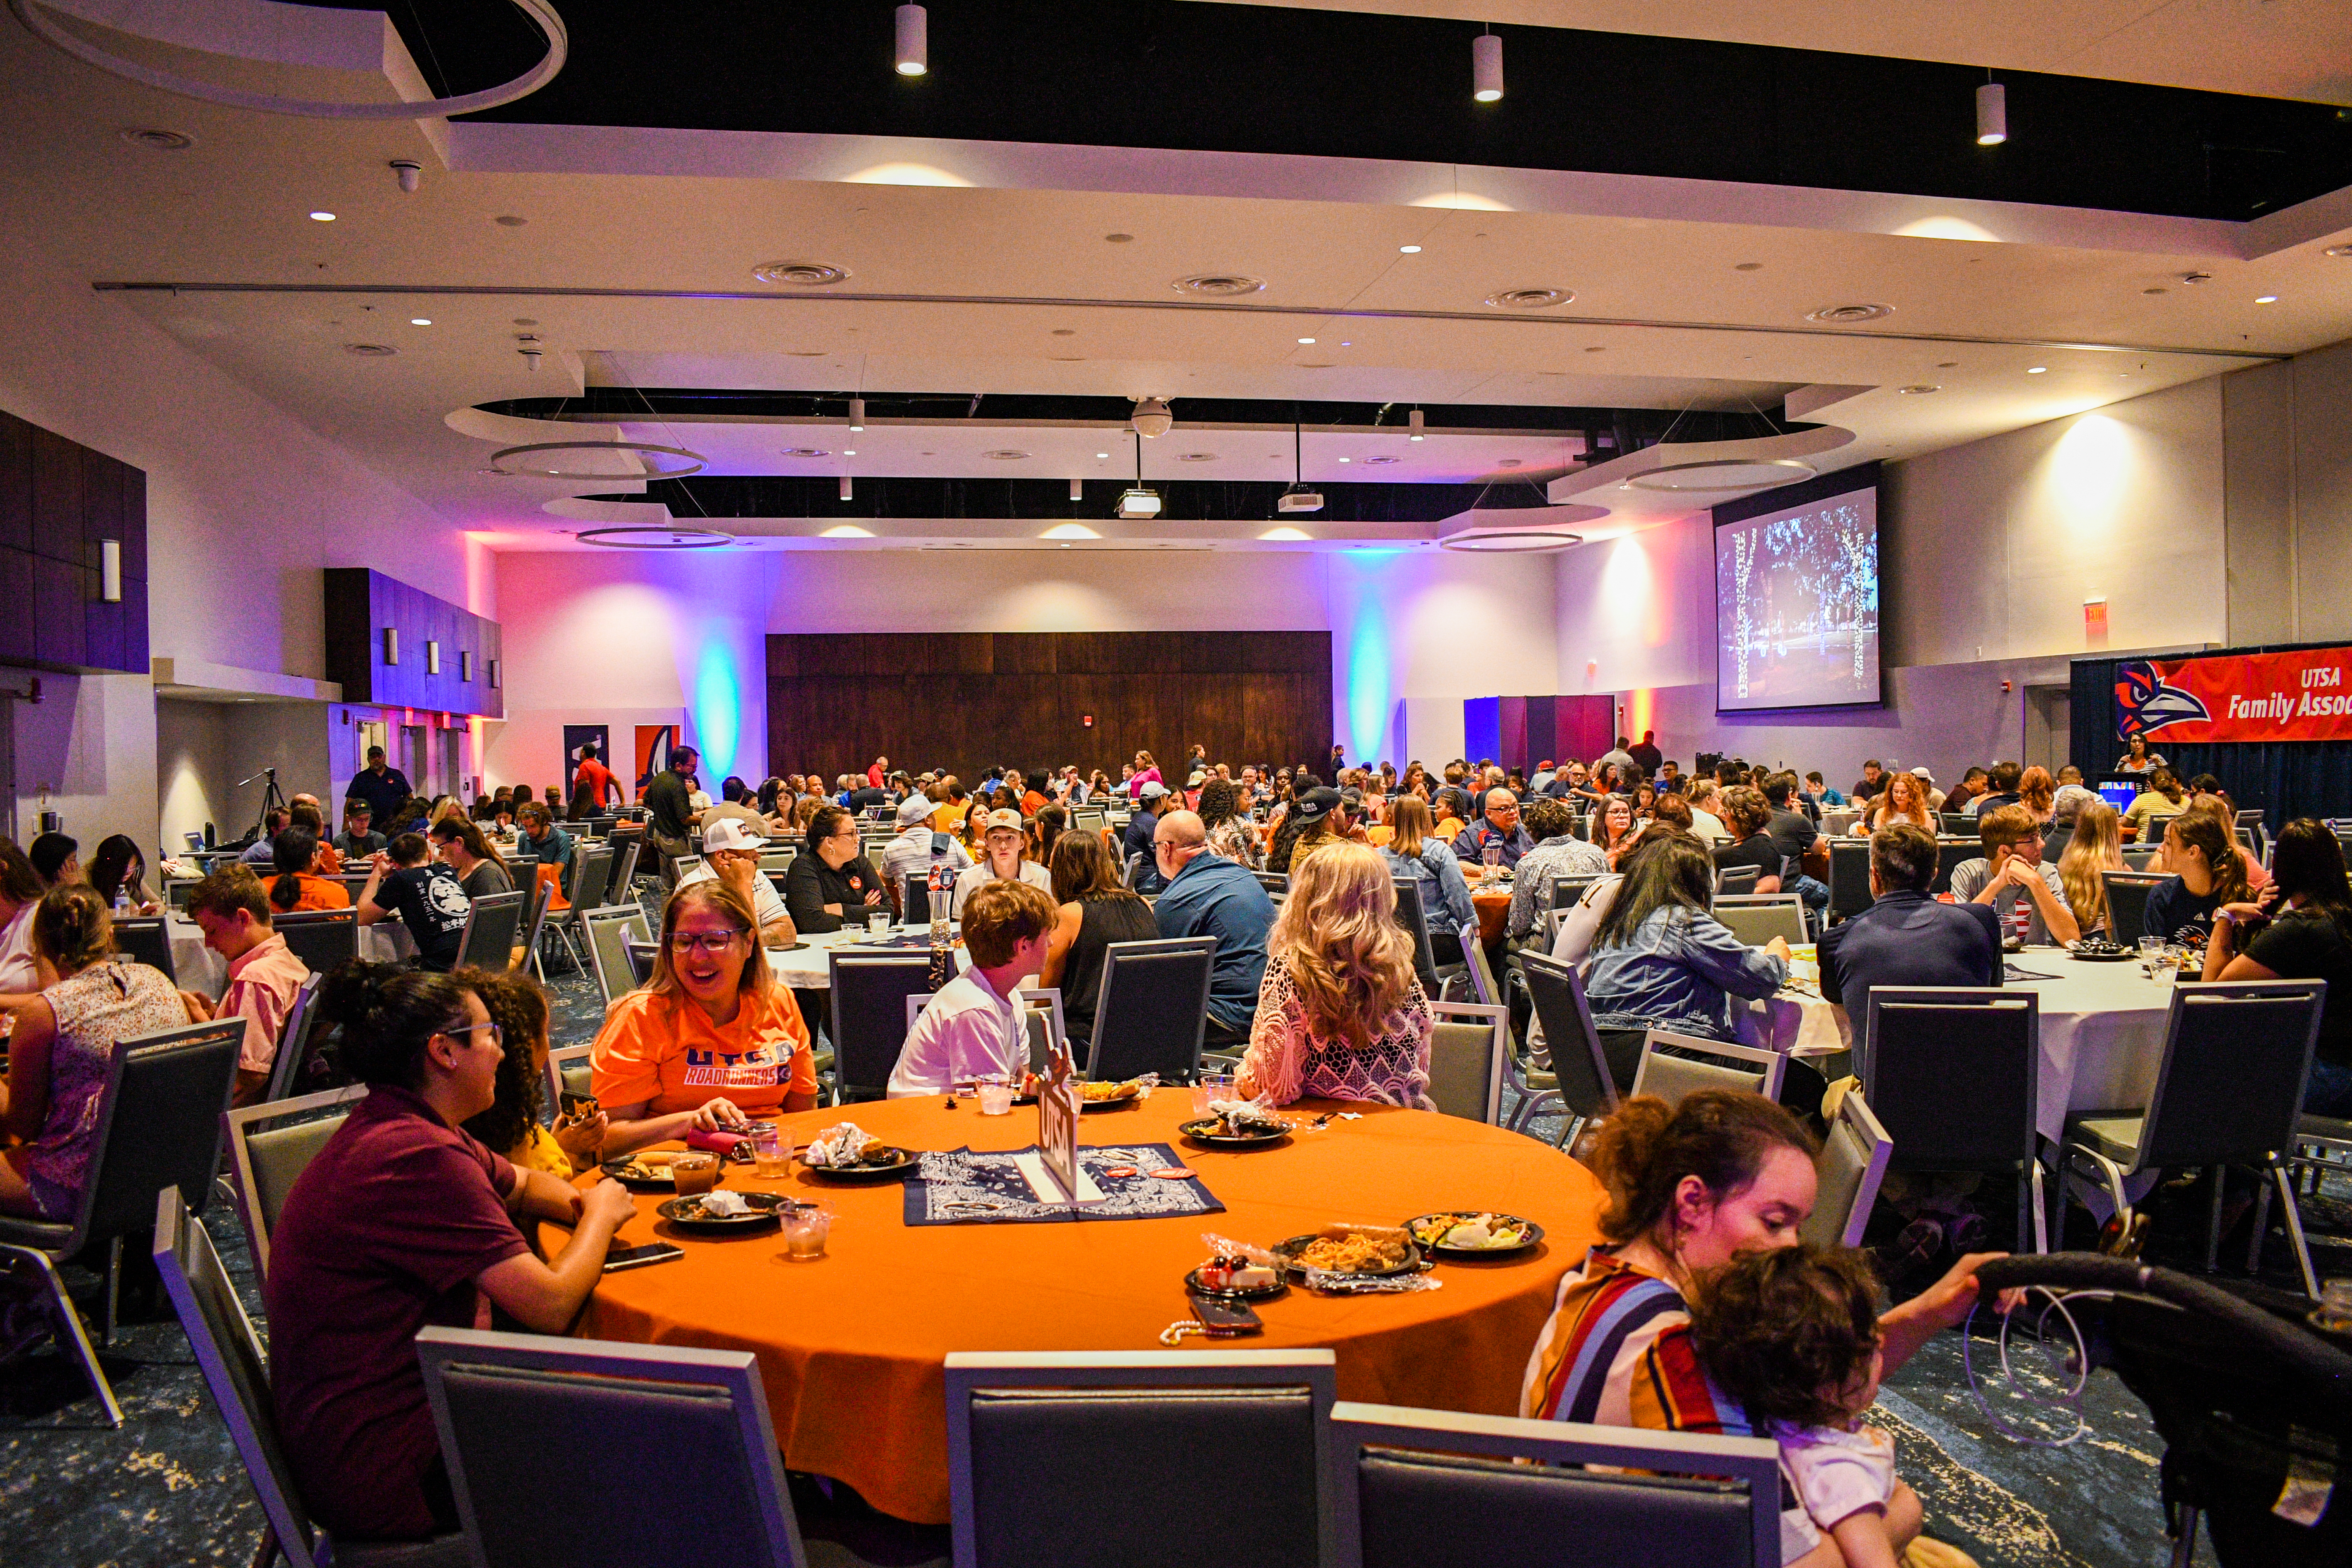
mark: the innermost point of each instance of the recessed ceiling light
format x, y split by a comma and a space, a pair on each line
371, 351
1376, 461
1529, 299
1218, 283
800, 274
804, 452
2037, 369
1846, 315
1196, 457
2338, 251
158, 140
526, 320
1916, 391
1118, 238
420, 320
1408, 250
508, 220
849, 451
1102, 454
1065, 332
2265, 299
2193, 278
1307, 340
2158, 290
1948, 365
1596, 349
1005, 455
1748, 267
322, 217
1346, 460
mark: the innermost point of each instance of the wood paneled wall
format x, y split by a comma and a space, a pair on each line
965, 701
59, 502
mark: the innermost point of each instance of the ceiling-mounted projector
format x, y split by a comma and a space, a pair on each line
1151, 417
1140, 503
1299, 498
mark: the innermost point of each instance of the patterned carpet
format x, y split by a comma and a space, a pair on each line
167, 1488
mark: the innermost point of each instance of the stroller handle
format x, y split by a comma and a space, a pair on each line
2298, 1347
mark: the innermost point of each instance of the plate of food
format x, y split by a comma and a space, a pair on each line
1236, 1129
2098, 950
1104, 1096
1235, 1279
1373, 1250
720, 1213
1474, 1233
646, 1172
875, 1163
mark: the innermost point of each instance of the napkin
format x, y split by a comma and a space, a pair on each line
719, 1144
837, 1145
722, 1205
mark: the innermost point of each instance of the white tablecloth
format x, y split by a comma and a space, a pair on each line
199, 968
805, 968
2101, 1031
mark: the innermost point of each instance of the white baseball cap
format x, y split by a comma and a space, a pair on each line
915, 808
732, 832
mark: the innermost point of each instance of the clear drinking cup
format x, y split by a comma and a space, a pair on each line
771, 1150
1202, 1094
805, 1232
995, 1097
878, 924
2151, 954
693, 1174
1493, 855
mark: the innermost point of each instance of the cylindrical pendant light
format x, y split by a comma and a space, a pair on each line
857, 414
1414, 426
1486, 68
845, 487
1077, 490
914, 41
1993, 114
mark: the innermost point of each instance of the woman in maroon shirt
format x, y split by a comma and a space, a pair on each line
400, 1221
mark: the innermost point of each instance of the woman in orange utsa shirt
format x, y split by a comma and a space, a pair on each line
711, 1041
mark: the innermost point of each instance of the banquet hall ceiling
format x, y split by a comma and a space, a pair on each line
1010, 247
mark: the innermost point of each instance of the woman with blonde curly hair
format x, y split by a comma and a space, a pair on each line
1339, 1014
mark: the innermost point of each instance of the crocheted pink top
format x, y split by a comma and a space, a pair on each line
1290, 1062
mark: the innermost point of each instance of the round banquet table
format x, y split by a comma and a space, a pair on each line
2101, 1031
851, 1347
805, 968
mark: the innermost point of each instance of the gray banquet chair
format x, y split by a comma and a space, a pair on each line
146, 940
288, 1067
322, 939
265, 1158
1954, 1074
492, 923
1687, 1064
868, 1022
1153, 1010
1578, 1079
607, 932
546, 1440
1069, 1459
1852, 1165
1468, 1048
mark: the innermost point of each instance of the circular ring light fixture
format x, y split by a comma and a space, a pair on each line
499, 461
643, 536
1511, 541
540, 13
1724, 474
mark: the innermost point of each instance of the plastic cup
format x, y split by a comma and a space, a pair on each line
878, 925
694, 1173
995, 1097
2151, 954
771, 1150
805, 1228
1201, 1095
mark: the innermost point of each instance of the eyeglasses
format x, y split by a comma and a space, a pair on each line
684, 941
497, 1036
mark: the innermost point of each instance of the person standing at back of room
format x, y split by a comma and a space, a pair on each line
594, 777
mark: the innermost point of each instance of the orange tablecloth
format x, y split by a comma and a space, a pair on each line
851, 1347
1494, 912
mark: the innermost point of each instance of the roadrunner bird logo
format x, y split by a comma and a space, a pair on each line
2146, 702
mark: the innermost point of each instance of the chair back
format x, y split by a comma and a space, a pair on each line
628, 848
592, 869
1957, 824
1567, 890
1757, 918
527, 1426
166, 1091
294, 1040
1069, 1459
236, 1368
1412, 913
2152, 830
2230, 1088
492, 923
869, 1016
1687, 1064
641, 954
914, 899
1953, 1073
322, 939
1135, 868
1849, 877
1483, 988
1738, 880
1087, 818
2140, 857
608, 929
568, 1073
2128, 894
146, 940
1446, 1489
1951, 854
1153, 1010
1851, 1163
1577, 1059
542, 898
1467, 1048
1041, 1015
266, 1157
1273, 881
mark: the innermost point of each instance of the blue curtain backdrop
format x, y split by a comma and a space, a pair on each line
2286, 779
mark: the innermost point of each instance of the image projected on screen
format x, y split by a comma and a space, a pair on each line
1796, 606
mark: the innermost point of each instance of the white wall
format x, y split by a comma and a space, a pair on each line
244, 506
2288, 447
623, 640
191, 763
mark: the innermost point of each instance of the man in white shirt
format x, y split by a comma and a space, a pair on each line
918, 849
730, 852
973, 1027
1702, 795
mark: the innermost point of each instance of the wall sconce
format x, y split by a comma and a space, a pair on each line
109, 571
432, 656
465, 665
494, 675
391, 645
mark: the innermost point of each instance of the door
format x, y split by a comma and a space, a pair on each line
2049, 726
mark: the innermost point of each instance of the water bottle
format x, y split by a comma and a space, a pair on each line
940, 893
122, 902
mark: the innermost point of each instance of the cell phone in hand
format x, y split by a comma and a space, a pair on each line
652, 1252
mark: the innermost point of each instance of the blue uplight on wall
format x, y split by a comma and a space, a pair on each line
717, 713
1368, 675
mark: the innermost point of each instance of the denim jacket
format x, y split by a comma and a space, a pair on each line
1679, 972
1437, 864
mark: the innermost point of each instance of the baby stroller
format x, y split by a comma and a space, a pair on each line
2254, 1403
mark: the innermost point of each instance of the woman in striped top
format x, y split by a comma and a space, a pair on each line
1689, 1186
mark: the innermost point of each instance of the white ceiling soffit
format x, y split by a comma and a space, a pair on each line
1705, 472
497, 148
610, 513
2268, 48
